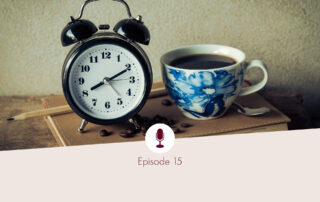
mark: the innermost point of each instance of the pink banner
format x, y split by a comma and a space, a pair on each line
277, 166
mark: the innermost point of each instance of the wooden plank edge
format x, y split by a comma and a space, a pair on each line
52, 126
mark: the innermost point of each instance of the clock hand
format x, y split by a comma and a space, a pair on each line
97, 86
101, 83
118, 74
106, 81
120, 79
110, 79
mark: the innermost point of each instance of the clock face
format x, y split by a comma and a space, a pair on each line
106, 81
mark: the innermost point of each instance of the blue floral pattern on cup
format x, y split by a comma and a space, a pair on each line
203, 94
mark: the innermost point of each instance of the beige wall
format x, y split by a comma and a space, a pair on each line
284, 34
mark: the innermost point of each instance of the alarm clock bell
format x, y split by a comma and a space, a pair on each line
77, 30
130, 28
133, 29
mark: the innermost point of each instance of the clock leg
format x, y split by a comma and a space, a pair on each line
134, 121
82, 125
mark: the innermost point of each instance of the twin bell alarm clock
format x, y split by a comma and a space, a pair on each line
106, 76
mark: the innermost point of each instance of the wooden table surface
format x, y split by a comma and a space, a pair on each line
34, 133
27, 134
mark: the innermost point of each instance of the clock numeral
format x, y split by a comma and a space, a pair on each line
107, 105
129, 92
85, 68
132, 79
128, 66
81, 81
119, 101
94, 59
118, 58
85, 93
106, 55
94, 102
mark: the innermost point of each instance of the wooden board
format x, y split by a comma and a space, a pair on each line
64, 127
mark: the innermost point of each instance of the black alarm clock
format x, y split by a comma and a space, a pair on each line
106, 76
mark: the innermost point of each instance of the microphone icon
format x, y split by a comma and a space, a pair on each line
160, 137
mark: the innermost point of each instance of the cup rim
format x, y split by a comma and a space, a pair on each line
165, 55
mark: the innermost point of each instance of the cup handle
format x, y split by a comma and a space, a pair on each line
261, 84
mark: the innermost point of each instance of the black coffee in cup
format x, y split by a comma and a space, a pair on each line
203, 61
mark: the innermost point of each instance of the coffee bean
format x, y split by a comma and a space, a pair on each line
145, 118
127, 134
185, 125
177, 130
131, 131
124, 134
171, 122
166, 102
147, 122
157, 118
144, 129
164, 120
104, 133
